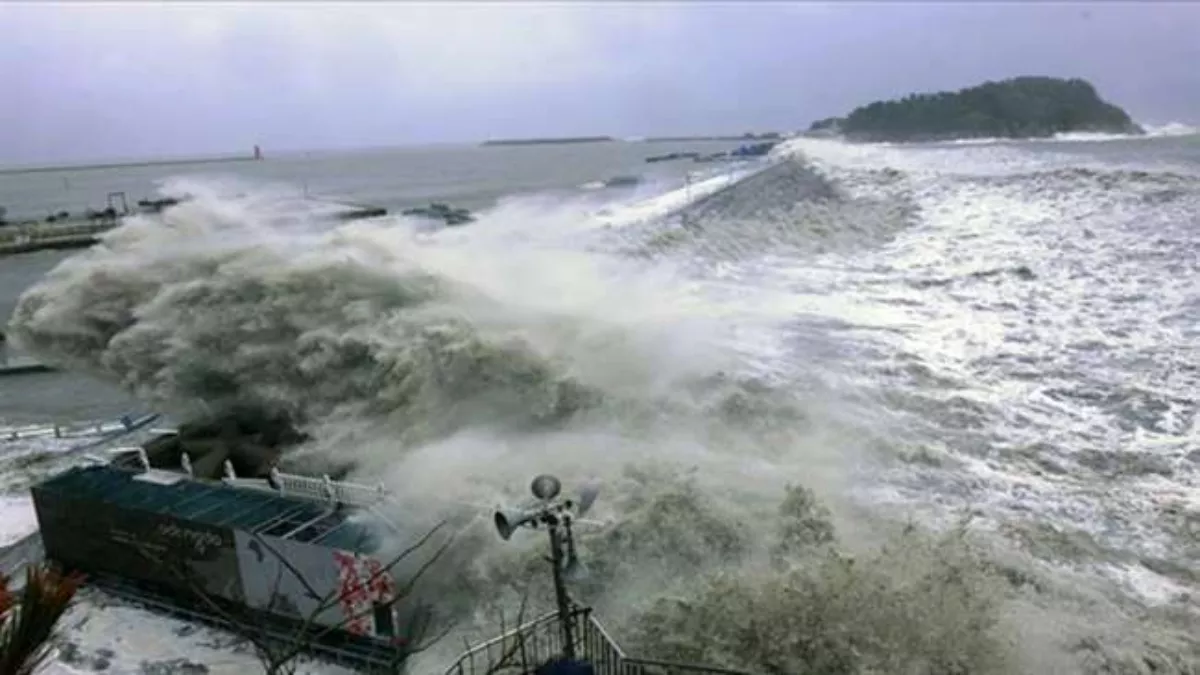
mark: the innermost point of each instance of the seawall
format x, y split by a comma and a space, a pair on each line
81, 233
62, 168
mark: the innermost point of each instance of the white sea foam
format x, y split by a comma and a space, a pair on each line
1016, 337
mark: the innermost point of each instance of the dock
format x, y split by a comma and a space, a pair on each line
187, 161
549, 141
51, 236
76, 233
23, 367
19, 365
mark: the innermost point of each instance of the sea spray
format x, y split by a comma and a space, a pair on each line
458, 367
702, 384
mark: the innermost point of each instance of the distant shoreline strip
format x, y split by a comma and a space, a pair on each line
551, 141
125, 165
610, 139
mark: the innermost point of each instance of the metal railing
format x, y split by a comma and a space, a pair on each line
351, 494
120, 427
24, 233
323, 489
523, 649
635, 666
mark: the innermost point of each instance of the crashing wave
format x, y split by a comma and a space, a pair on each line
454, 366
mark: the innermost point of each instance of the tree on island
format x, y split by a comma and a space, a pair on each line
1021, 107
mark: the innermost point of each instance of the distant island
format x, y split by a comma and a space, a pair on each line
551, 141
1021, 107
749, 136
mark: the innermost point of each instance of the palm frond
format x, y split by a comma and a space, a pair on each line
28, 617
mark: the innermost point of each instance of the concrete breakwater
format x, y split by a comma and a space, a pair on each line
126, 165
72, 233
18, 365
45, 236
23, 367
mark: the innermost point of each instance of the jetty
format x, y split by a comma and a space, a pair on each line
183, 161
767, 136
23, 366
551, 141
50, 236
20, 365
63, 231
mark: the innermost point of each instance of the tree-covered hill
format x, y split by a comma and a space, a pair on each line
1021, 107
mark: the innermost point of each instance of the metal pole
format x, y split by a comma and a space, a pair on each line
560, 590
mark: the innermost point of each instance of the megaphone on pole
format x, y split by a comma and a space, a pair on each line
508, 521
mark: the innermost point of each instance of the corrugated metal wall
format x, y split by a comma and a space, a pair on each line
337, 581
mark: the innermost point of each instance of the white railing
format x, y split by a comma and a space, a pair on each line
323, 489
125, 424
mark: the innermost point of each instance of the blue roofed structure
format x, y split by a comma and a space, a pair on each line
254, 510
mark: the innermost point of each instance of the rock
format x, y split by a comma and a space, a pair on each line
156, 205
622, 181
1051, 465
173, 667
442, 212
70, 654
1125, 463
673, 156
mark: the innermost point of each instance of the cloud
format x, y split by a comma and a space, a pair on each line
428, 48
112, 79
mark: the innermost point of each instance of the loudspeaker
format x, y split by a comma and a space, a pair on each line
507, 521
574, 569
587, 496
545, 487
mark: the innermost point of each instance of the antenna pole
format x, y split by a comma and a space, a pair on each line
560, 587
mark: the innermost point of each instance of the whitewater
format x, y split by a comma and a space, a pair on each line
858, 409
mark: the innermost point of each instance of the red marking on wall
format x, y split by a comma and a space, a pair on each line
361, 583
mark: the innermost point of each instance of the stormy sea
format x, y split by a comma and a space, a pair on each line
854, 408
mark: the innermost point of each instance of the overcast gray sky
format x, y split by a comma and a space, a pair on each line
86, 80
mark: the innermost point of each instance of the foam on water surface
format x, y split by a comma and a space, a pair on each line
973, 327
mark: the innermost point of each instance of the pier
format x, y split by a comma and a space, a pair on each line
82, 232
68, 234
63, 168
20, 365
23, 367
549, 141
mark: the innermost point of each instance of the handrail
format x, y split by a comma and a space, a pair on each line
126, 423
539, 640
491, 654
323, 489
639, 666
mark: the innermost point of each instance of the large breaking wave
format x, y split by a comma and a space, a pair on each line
705, 362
